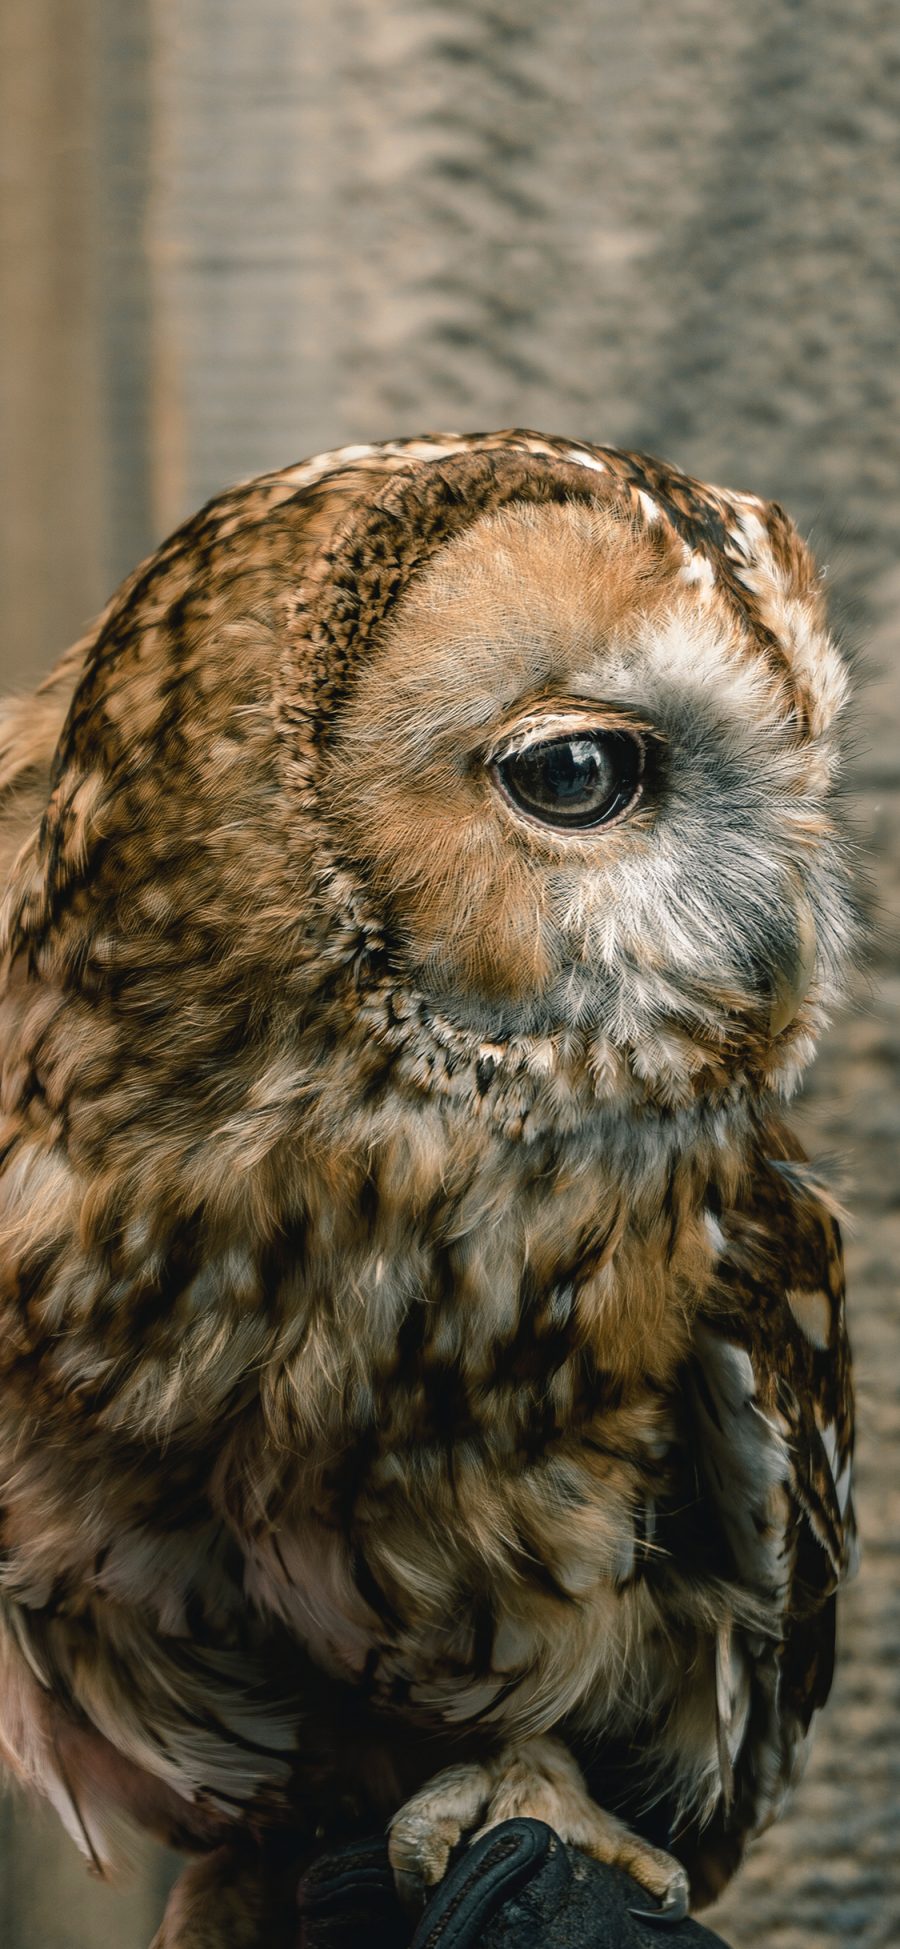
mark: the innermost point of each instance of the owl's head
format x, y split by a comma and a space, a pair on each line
502, 762
574, 751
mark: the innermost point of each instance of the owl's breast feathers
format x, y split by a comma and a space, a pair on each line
365, 1378
504, 1483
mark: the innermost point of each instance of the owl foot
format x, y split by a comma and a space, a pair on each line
538, 1781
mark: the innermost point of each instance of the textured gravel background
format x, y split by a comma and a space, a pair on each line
234, 235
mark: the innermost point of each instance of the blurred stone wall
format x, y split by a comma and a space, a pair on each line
233, 234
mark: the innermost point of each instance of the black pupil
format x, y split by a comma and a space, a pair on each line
580, 780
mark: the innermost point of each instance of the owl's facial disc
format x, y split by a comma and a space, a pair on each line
567, 778
574, 779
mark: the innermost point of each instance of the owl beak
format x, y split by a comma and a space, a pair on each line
793, 986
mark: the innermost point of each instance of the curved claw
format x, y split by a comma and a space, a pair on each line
673, 1907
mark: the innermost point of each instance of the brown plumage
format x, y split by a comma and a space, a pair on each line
422, 1343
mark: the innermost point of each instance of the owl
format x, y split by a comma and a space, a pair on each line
424, 1385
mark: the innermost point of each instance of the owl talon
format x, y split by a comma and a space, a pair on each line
674, 1904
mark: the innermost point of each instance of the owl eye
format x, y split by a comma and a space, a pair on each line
583, 779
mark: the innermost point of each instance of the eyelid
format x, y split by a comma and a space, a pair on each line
542, 726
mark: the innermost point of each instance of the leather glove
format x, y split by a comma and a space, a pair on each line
516, 1888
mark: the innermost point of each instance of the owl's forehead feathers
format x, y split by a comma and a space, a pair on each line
537, 596
600, 538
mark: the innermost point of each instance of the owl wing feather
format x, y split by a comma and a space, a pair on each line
772, 1411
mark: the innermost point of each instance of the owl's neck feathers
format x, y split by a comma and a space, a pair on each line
281, 1239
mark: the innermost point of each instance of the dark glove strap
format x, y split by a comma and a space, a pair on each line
487, 1875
